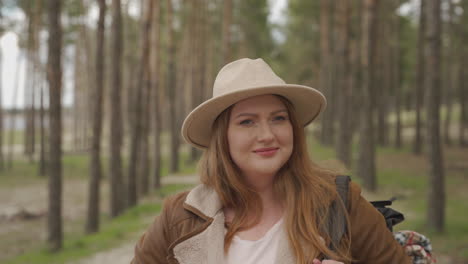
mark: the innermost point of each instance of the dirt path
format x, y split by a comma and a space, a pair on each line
119, 255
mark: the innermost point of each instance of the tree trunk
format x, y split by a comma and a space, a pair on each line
54, 77
29, 84
155, 70
138, 107
463, 95
14, 113
226, 34
366, 163
42, 154
419, 93
380, 75
436, 195
396, 76
116, 136
2, 159
144, 167
92, 223
171, 86
355, 47
198, 61
343, 20
327, 134
449, 68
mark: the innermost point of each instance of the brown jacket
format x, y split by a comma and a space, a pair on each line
190, 229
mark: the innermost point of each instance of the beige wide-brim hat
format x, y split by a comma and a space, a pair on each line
240, 80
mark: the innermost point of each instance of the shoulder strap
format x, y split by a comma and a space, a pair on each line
336, 225
342, 186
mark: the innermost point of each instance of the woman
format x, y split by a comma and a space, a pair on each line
261, 199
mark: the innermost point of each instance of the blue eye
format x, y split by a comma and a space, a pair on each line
279, 118
246, 122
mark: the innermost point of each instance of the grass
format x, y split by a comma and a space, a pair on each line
113, 233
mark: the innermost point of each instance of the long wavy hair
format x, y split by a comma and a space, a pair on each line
306, 190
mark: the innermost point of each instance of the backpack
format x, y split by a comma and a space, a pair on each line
416, 245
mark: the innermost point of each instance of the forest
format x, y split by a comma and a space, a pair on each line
93, 94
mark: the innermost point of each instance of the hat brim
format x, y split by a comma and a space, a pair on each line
196, 129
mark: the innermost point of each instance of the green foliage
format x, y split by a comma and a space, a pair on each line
300, 51
252, 17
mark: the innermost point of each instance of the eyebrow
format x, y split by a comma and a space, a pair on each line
272, 113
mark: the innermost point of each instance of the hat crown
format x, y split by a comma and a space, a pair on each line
244, 74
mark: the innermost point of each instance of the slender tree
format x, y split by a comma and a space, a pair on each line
381, 76
171, 87
14, 112
327, 134
396, 76
419, 93
92, 223
116, 135
138, 106
2, 158
54, 77
366, 163
463, 98
462, 89
449, 70
155, 75
432, 54
42, 154
226, 35
30, 82
343, 25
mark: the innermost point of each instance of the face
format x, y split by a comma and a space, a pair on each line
260, 137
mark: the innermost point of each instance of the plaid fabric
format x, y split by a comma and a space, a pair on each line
416, 245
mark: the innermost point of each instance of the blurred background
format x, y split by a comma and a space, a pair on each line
94, 92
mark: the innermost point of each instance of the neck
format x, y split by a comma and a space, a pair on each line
272, 206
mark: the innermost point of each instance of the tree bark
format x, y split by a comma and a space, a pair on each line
2, 159
327, 134
226, 34
366, 163
449, 68
171, 86
116, 136
138, 107
144, 167
14, 113
42, 155
54, 77
396, 77
463, 95
343, 20
380, 75
155, 70
419, 93
92, 223
436, 195
29, 83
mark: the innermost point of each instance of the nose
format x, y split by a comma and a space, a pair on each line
265, 133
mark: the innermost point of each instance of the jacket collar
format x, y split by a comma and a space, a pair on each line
207, 247
205, 200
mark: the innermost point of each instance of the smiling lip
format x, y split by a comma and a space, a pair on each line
266, 151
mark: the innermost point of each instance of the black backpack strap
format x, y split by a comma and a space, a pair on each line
336, 225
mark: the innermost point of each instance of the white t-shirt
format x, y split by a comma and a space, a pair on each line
262, 251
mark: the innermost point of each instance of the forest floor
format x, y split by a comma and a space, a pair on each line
23, 207
401, 174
